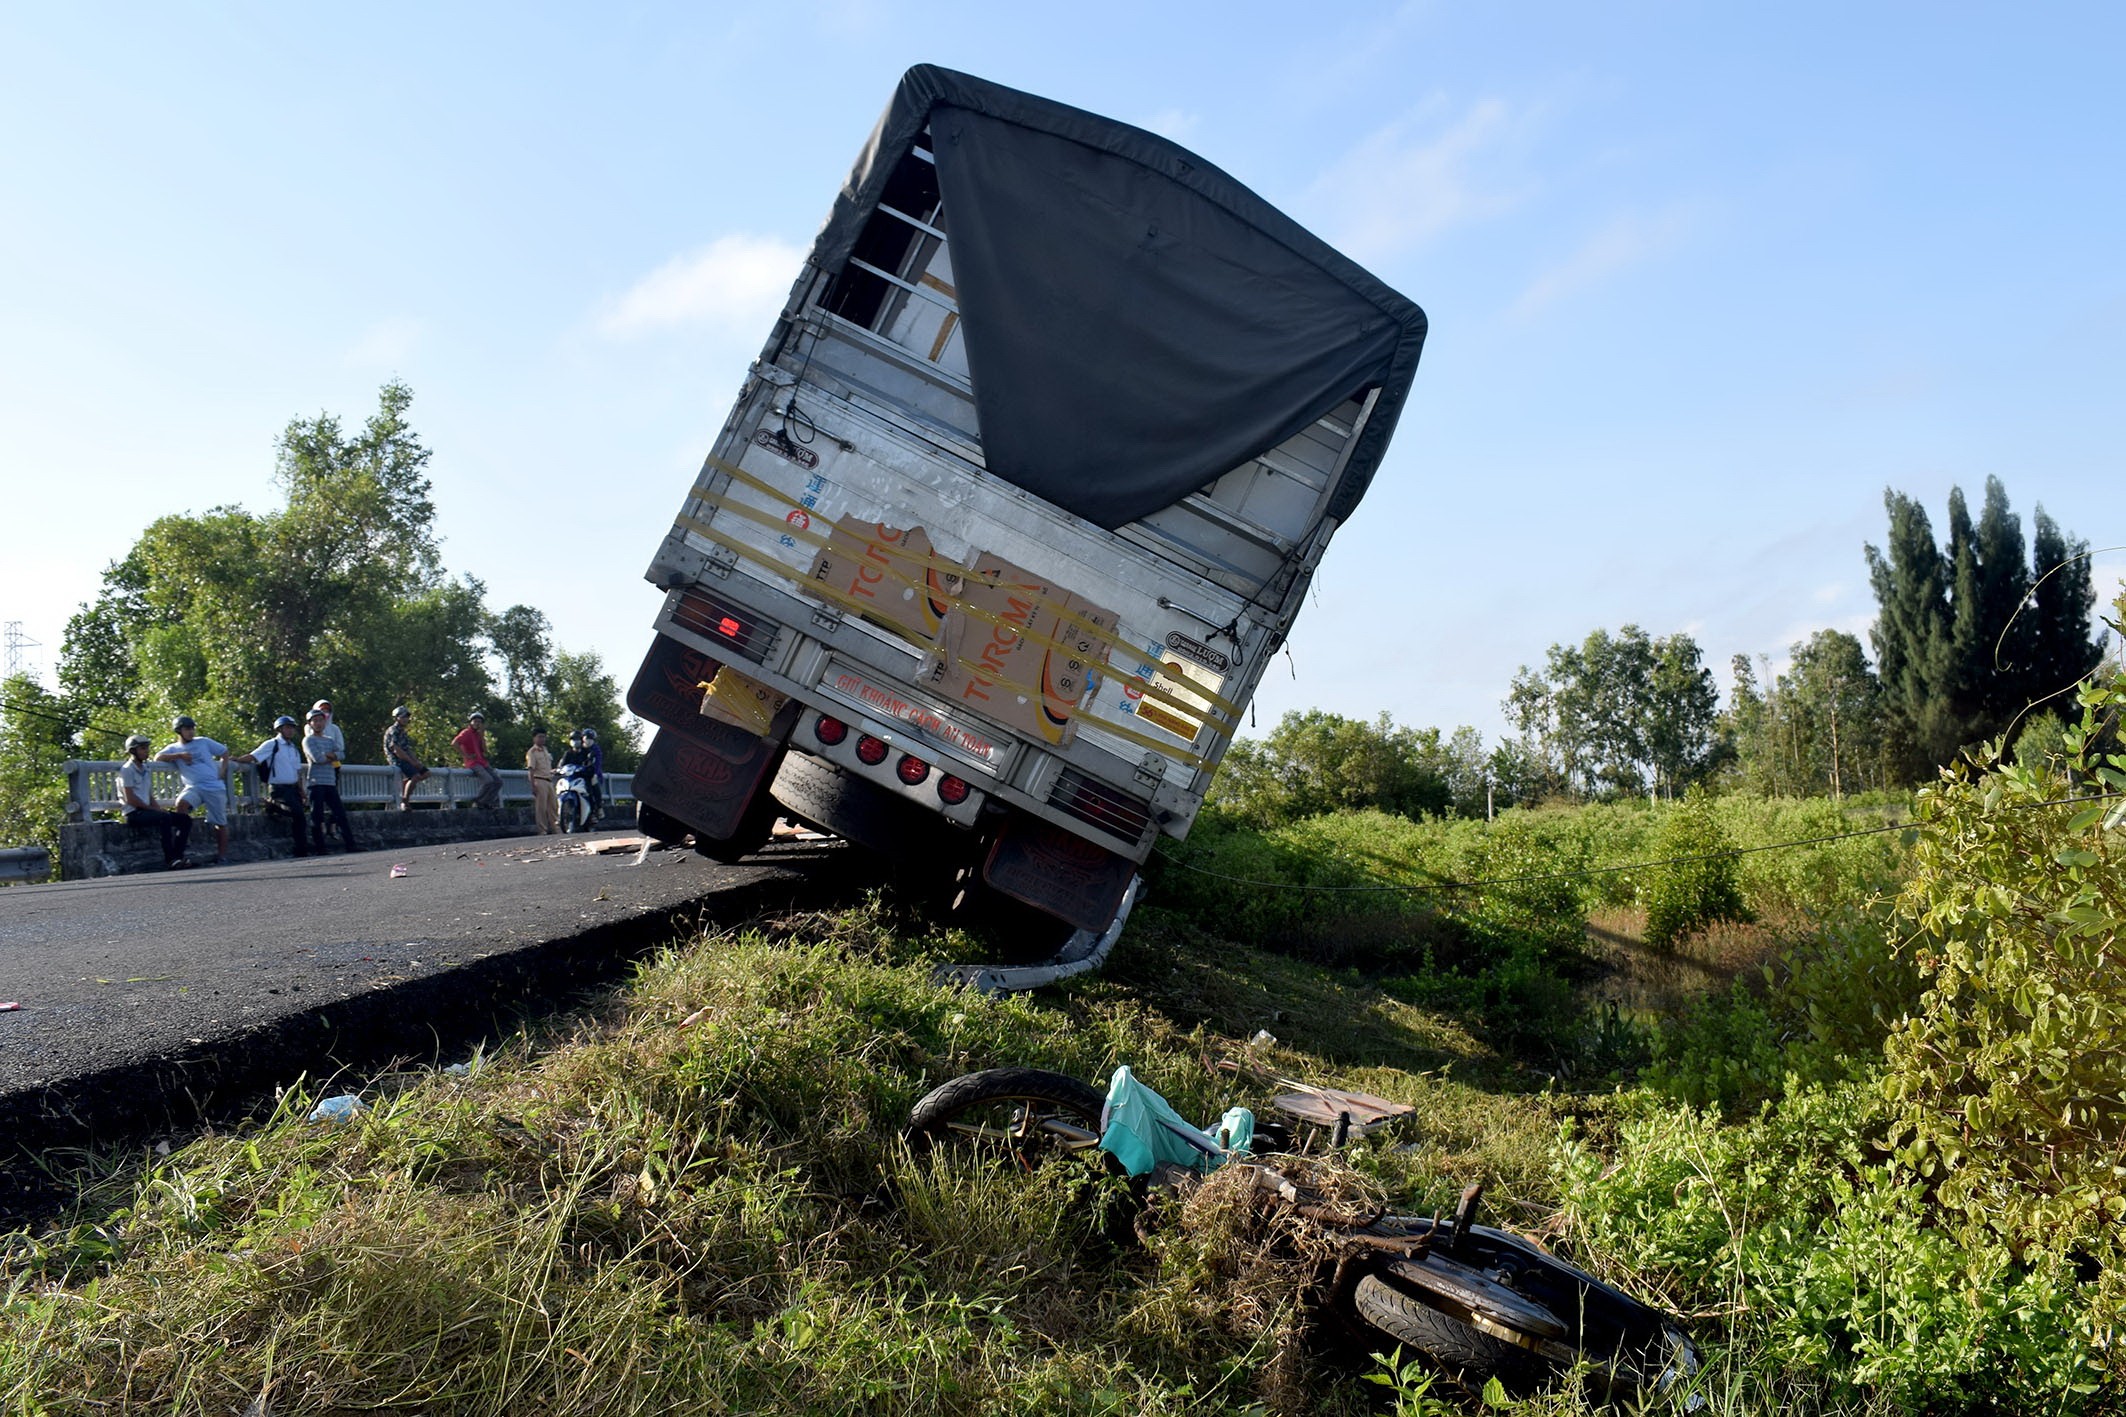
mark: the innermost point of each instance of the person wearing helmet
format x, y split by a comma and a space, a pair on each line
136, 791
398, 751
280, 772
471, 744
321, 746
203, 765
579, 757
332, 729
594, 756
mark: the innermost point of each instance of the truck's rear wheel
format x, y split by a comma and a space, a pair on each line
661, 825
754, 830
821, 795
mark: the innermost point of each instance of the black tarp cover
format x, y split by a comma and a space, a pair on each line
1137, 322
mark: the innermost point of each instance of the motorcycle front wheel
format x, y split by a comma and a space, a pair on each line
1025, 1113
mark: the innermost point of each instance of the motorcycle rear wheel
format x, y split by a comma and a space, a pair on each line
1458, 1349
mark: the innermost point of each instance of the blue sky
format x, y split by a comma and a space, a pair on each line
1702, 281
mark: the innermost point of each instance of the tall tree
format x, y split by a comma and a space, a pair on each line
236, 617
1618, 713
1959, 655
1315, 762
2061, 651
35, 728
1912, 631
1682, 709
1818, 728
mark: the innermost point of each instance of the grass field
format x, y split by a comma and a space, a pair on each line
690, 1197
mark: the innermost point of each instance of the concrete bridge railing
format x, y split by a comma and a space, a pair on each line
92, 787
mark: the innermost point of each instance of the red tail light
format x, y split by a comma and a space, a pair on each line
870, 751
911, 770
830, 731
951, 791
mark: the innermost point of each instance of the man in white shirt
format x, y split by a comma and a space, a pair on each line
137, 791
201, 764
280, 768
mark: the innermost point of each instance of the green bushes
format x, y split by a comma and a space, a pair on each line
1818, 1011
2010, 1078
1696, 882
1826, 1254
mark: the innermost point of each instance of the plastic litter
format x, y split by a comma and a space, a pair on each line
344, 1108
1263, 1038
9, 1007
400, 868
1141, 1130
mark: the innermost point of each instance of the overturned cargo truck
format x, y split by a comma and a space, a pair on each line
1022, 494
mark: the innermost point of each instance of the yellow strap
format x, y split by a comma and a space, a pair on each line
1110, 638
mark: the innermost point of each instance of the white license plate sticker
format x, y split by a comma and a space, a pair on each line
891, 703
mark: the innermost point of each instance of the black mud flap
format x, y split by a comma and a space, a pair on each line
667, 689
705, 780
700, 771
1058, 871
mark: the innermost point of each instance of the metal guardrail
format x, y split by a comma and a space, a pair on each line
92, 786
24, 863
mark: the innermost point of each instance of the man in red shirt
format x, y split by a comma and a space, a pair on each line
471, 744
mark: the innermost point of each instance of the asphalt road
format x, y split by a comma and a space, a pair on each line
155, 1002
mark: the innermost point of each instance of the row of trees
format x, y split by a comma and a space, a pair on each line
236, 617
1975, 640
1971, 635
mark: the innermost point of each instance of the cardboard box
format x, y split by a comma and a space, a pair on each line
893, 577
994, 653
741, 702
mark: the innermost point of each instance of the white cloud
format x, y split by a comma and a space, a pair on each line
735, 283
1625, 241
1408, 182
384, 344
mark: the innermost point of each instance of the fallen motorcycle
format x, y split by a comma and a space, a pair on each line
1475, 1301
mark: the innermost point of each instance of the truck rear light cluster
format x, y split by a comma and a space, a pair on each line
951, 791
870, 751
730, 625
830, 731
911, 769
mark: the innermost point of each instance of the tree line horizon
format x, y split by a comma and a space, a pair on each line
235, 617
1974, 640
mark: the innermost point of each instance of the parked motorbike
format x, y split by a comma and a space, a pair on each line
572, 790
1477, 1302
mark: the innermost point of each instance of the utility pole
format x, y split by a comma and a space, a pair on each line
17, 642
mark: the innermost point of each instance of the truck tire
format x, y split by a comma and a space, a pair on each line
821, 795
663, 827
754, 831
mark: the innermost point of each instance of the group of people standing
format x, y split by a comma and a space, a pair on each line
299, 769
